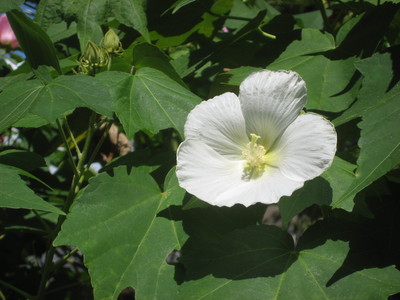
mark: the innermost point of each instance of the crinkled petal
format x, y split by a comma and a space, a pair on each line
219, 123
271, 101
219, 181
307, 147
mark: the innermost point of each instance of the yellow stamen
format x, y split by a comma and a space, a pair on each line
255, 157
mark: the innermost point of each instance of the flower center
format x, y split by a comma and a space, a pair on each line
255, 156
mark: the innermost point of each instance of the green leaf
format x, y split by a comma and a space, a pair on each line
31, 121
131, 13
328, 81
340, 176
261, 262
375, 91
48, 12
173, 193
380, 125
149, 100
25, 160
363, 36
15, 194
129, 242
179, 4
7, 5
310, 41
312, 19
37, 46
316, 191
54, 99
9, 80
146, 55
90, 14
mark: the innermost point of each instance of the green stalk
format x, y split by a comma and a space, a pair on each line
69, 153
74, 189
78, 151
266, 34
64, 259
321, 7
99, 144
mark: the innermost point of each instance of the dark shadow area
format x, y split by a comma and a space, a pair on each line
373, 241
363, 39
168, 24
230, 243
158, 160
127, 294
394, 55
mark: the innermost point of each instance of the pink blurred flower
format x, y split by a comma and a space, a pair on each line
7, 36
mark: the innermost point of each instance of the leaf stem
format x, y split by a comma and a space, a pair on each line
15, 289
74, 189
99, 144
266, 34
64, 259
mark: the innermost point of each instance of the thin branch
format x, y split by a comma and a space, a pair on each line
71, 135
69, 153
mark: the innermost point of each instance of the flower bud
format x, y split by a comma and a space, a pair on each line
93, 57
111, 43
7, 36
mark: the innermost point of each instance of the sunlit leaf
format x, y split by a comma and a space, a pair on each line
54, 99
132, 14
117, 226
379, 106
149, 100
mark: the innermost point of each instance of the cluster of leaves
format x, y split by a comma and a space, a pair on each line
130, 228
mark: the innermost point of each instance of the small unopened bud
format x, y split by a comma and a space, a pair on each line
93, 57
111, 43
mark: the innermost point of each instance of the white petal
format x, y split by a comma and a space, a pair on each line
267, 189
307, 147
271, 101
205, 173
219, 123
219, 181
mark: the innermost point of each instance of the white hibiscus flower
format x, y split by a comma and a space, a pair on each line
256, 147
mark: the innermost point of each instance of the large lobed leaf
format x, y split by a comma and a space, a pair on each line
149, 100
261, 262
53, 99
90, 15
379, 107
329, 81
117, 224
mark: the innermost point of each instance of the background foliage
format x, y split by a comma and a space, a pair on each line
90, 204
